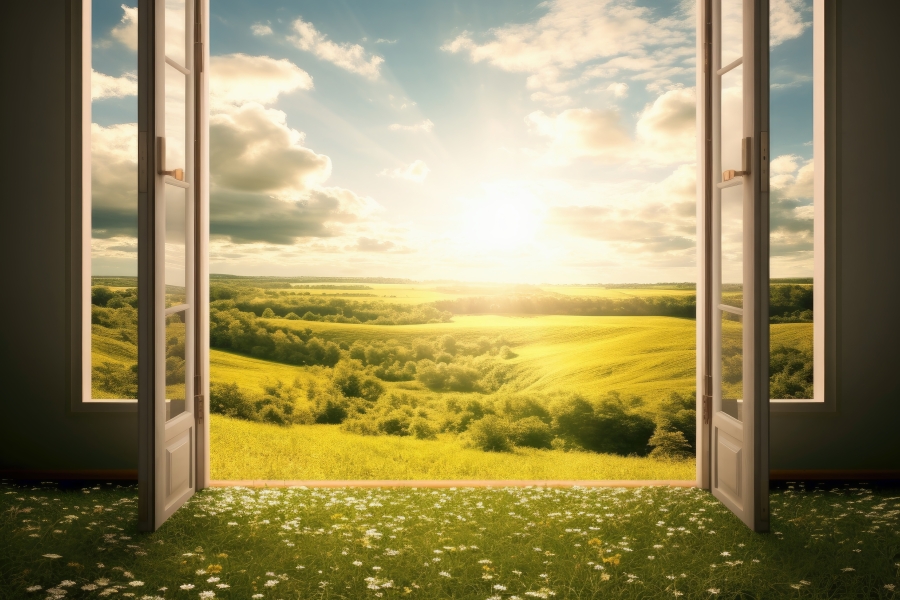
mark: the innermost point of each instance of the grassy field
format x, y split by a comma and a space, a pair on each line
831, 542
418, 293
247, 450
644, 356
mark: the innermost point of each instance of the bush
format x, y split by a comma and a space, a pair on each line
268, 314
116, 379
669, 444
421, 429
491, 434
229, 399
612, 425
531, 432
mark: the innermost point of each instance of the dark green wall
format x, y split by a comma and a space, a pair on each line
35, 429
865, 433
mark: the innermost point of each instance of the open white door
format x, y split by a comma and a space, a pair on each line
172, 362
733, 308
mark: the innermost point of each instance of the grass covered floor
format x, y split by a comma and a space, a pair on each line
507, 543
248, 450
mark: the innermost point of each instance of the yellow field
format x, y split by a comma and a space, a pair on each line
418, 293
247, 450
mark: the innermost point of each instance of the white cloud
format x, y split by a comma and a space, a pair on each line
581, 132
571, 33
237, 79
253, 150
384, 41
261, 29
126, 31
114, 180
425, 126
619, 90
666, 129
351, 57
416, 171
786, 21
107, 86
664, 133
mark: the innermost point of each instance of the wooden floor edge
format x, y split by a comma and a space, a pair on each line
457, 483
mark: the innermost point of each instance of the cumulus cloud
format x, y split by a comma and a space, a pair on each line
416, 171
266, 186
261, 29
581, 132
666, 130
658, 220
106, 86
253, 149
126, 31
350, 57
572, 33
114, 180
619, 90
786, 21
425, 126
664, 133
245, 218
236, 79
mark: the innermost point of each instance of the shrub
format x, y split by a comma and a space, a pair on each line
531, 432
669, 444
611, 426
268, 314
292, 316
491, 434
116, 379
229, 399
421, 429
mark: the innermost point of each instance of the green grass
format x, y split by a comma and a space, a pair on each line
247, 450
831, 542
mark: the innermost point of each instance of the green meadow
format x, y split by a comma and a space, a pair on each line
373, 379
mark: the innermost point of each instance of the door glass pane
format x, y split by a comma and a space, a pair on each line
176, 378
176, 243
732, 31
732, 245
732, 123
176, 129
176, 20
732, 364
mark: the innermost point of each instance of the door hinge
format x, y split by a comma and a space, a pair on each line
707, 399
198, 407
198, 400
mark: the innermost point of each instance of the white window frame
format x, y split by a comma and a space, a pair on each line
79, 147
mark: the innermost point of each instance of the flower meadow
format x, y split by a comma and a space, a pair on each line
827, 541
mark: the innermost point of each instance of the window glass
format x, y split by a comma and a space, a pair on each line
113, 200
791, 200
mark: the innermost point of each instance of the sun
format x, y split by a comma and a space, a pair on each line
501, 222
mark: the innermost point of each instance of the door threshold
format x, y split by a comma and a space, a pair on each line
449, 483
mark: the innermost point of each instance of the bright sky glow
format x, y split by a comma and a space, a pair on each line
510, 141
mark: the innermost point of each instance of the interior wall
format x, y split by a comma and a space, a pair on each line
863, 433
37, 431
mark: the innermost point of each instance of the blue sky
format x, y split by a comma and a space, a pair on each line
493, 141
